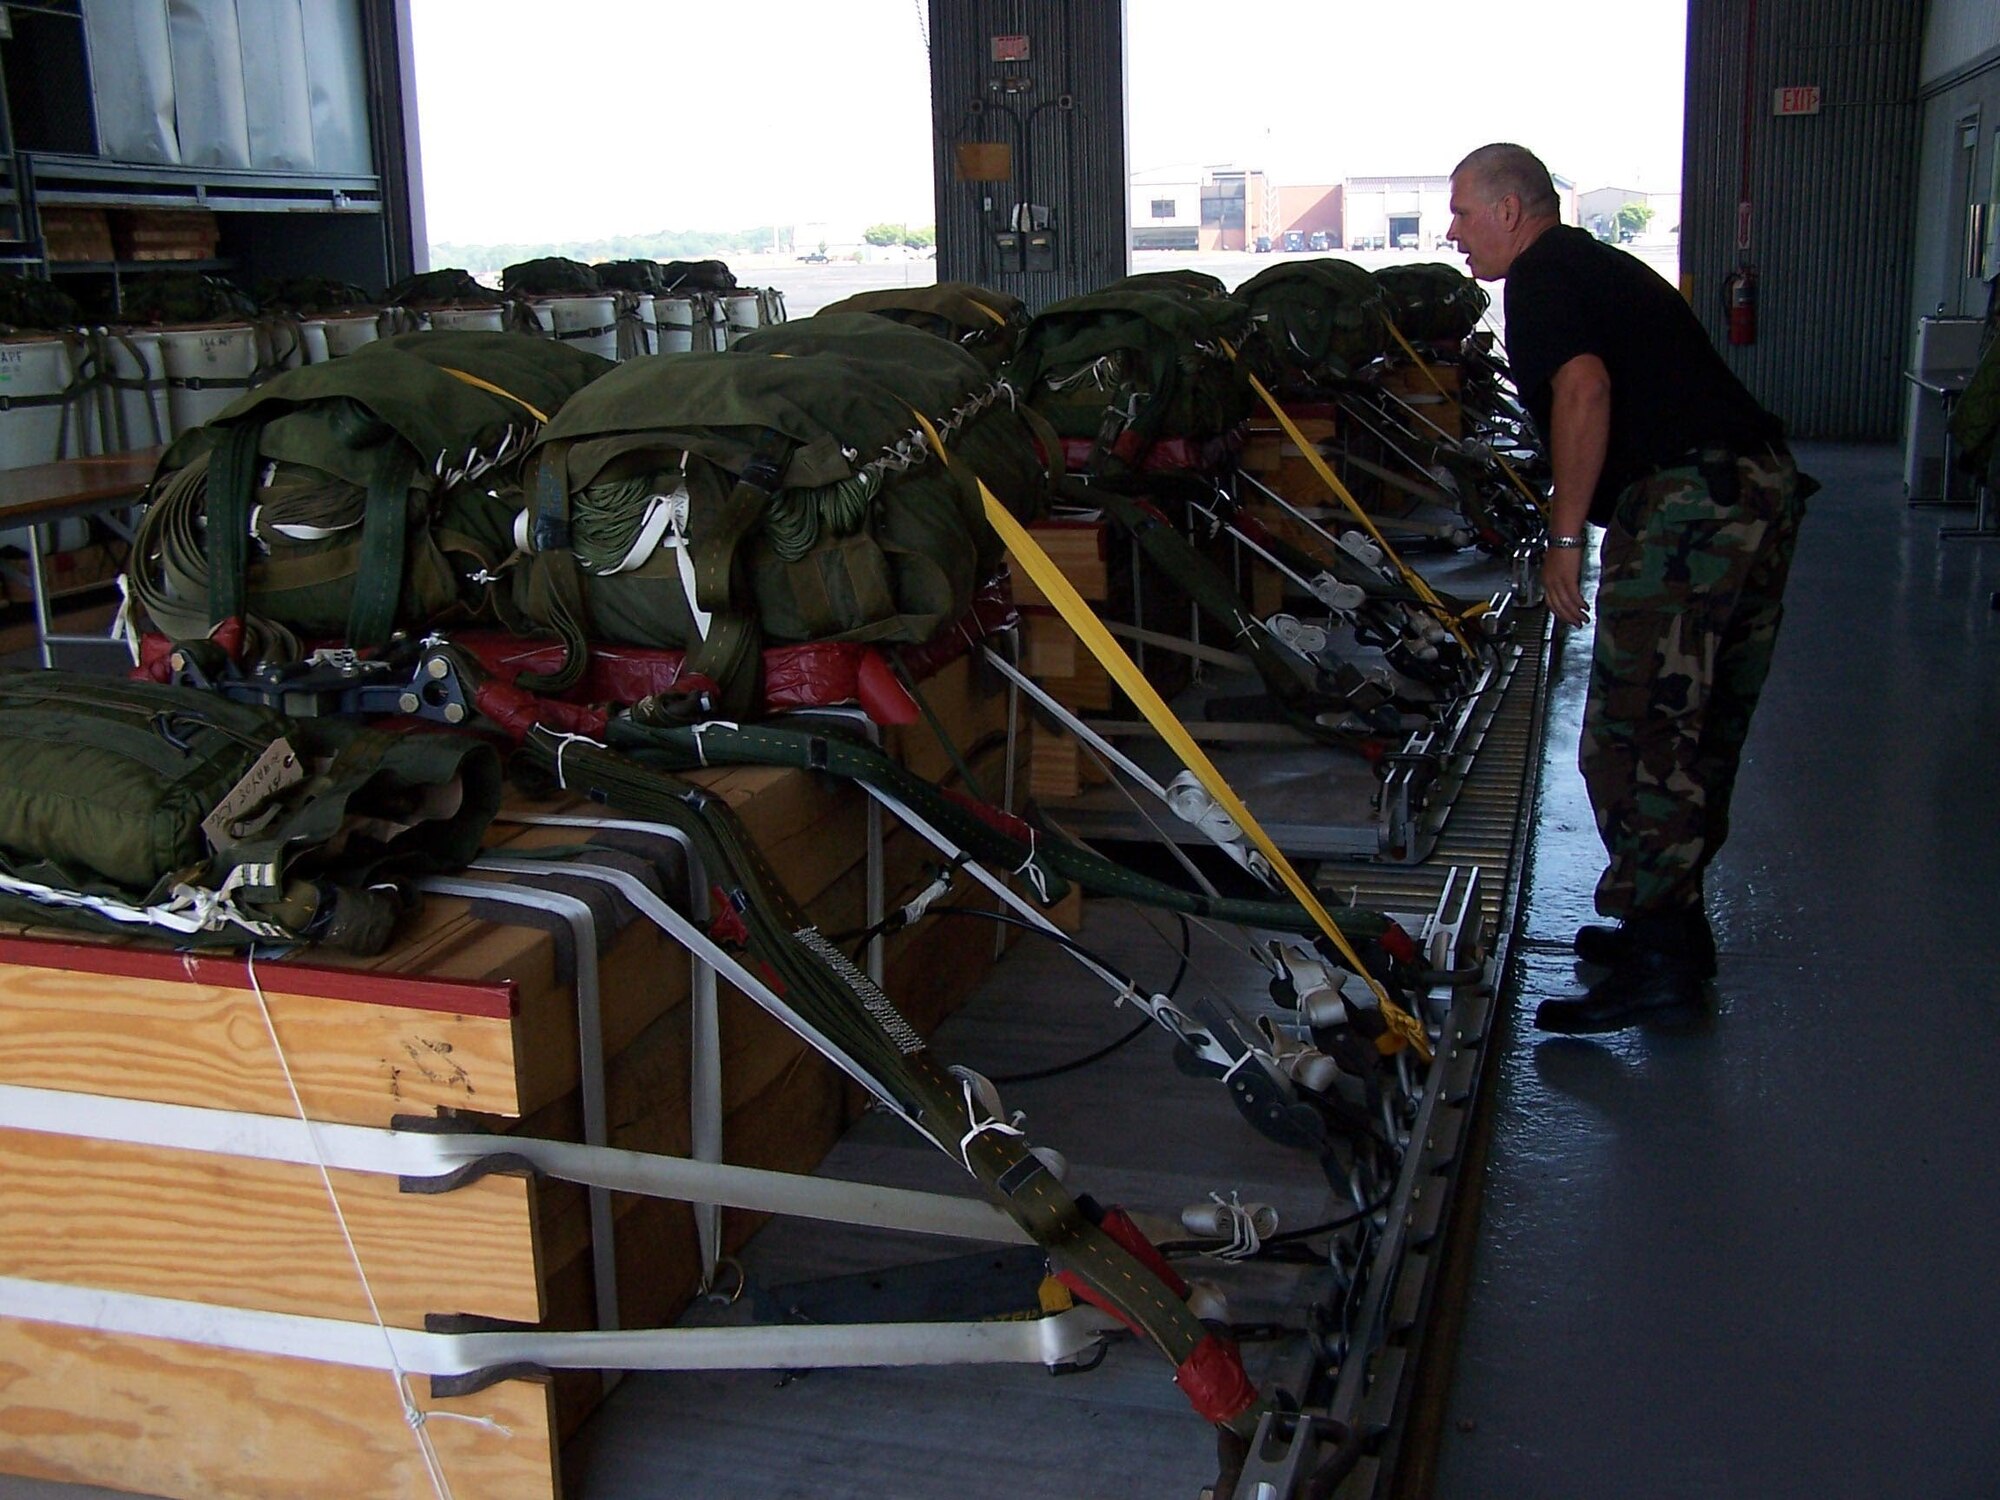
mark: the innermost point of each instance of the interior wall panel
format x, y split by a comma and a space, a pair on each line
1831, 199
1061, 114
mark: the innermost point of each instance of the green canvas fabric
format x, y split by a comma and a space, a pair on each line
1158, 357
450, 287
29, 302
632, 276
1177, 283
403, 471
863, 535
109, 783
1432, 302
183, 297
986, 324
550, 276
311, 294
1319, 320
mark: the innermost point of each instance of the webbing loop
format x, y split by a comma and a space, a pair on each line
1058, 590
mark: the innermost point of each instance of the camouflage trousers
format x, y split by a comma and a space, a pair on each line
1690, 594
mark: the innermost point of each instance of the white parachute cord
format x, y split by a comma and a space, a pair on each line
412, 1413
981, 1095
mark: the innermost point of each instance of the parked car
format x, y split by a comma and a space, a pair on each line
814, 258
1263, 244
1319, 241
1294, 240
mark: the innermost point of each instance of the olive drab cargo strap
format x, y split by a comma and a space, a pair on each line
1320, 467
1536, 504
1049, 861
232, 481
385, 534
1403, 1028
828, 1002
729, 651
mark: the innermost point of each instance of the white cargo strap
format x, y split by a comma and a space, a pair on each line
1058, 1339
422, 1154
1192, 803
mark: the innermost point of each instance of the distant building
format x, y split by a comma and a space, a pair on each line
1309, 210
1166, 208
1597, 210
1209, 208
1414, 213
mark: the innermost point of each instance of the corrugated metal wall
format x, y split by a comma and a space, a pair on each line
1067, 157
1832, 201
1957, 35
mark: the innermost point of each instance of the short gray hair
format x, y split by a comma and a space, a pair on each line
1504, 168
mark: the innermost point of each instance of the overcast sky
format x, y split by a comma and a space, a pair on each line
603, 117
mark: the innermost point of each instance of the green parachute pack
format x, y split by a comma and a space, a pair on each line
136, 806
551, 276
1320, 320
29, 302
1432, 302
308, 295
985, 323
781, 492
1181, 282
1128, 368
355, 498
451, 287
184, 297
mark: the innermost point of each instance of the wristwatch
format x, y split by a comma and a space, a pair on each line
1564, 543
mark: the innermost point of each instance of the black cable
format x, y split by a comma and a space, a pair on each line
1145, 1021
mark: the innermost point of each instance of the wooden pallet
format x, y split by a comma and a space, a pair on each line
465, 1016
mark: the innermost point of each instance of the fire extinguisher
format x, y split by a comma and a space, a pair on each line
1739, 295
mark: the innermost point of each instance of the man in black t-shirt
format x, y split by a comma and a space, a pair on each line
1652, 438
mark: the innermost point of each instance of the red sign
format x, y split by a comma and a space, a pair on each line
1803, 100
1010, 49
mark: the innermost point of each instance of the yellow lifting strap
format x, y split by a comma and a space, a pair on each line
1404, 1028
1320, 467
1438, 385
487, 385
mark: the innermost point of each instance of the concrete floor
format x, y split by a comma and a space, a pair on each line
1758, 1261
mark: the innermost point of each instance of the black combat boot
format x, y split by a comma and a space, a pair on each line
1608, 947
1658, 982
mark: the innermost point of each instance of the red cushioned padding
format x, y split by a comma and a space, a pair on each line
1214, 1380
1168, 455
815, 674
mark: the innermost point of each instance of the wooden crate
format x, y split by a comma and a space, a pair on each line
465, 1015
1080, 549
165, 234
77, 234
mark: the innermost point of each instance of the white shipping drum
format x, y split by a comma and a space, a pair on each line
40, 421
674, 320
742, 315
281, 344
346, 332
132, 402
312, 340
476, 319
586, 322
208, 368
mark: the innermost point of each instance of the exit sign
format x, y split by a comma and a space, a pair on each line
1803, 100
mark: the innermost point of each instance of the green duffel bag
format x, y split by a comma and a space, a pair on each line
1177, 283
550, 276
781, 492
986, 324
356, 498
132, 806
1319, 321
1433, 302
1128, 368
